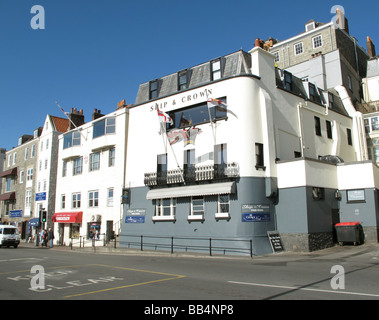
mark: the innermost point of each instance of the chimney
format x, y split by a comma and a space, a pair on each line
121, 104
342, 21
259, 43
76, 117
370, 47
96, 114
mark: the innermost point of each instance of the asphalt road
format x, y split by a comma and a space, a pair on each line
31, 273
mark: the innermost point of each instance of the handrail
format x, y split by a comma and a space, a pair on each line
210, 245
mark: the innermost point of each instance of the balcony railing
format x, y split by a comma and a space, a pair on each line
192, 174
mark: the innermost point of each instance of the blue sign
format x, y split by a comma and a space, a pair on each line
255, 217
135, 219
15, 214
255, 212
41, 196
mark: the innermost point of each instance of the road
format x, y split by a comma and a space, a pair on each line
32, 273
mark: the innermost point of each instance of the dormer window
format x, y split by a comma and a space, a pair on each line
216, 69
310, 26
183, 80
153, 89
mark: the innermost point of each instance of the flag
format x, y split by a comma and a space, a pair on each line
220, 106
164, 117
191, 135
176, 135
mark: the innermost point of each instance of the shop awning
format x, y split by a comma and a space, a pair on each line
8, 196
191, 191
10, 172
68, 217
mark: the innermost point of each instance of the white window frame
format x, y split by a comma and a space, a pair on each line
317, 41
161, 205
296, 46
93, 199
222, 214
63, 201
76, 202
94, 161
28, 198
197, 209
110, 197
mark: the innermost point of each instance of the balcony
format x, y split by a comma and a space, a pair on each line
192, 174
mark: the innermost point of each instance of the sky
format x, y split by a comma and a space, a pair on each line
94, 53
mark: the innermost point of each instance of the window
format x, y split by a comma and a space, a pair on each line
349, 83
63, 201
47, 144
312, 92
197, 207
162, 169
189, 165
331, 100
298, 48
9, 160
349, 137
46, 162
94, 161
33, 150
317, 42
329, 129
76, 200
259, 160
29, 174
93, 199
318, 126
276, 54
44, 185
112, 157
8, 186
288, 81
196, 114
105, 126
153, 89
110, 192
216, 69
14, 158
223, 205
28, 198
183, 80
77, 166
220, 153
71, 139
64, 169
22, 176
26, 153
165, 209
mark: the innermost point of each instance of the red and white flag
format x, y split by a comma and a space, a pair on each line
164, 117
220, 106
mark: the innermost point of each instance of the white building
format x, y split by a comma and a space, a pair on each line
46, 171
245, 175
90, 178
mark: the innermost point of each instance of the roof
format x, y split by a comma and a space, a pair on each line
61, 124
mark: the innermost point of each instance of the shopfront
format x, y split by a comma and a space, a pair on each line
68, 226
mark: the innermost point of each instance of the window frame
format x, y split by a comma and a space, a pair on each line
93, 199
160, 207
94, 161
76, 202
197, 214
216, 72
298, 48
317, 41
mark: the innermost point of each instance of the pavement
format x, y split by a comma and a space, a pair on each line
333, 253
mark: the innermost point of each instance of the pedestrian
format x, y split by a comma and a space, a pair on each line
45, 238
41, 234
51, 237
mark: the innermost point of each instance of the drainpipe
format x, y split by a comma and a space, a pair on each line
299, 106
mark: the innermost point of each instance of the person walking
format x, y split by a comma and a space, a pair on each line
51, 237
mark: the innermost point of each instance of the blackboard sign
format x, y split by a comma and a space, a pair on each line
275, 241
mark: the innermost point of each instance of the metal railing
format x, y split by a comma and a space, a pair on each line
192, 174
187, 244
85, 241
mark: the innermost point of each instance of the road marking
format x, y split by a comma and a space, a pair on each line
123, 287
173, 277
306, 289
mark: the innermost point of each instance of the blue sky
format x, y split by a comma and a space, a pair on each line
94, 53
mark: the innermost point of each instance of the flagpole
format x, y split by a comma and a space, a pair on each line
210, 119
80, 131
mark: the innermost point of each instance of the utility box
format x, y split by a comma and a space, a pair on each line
349, 232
